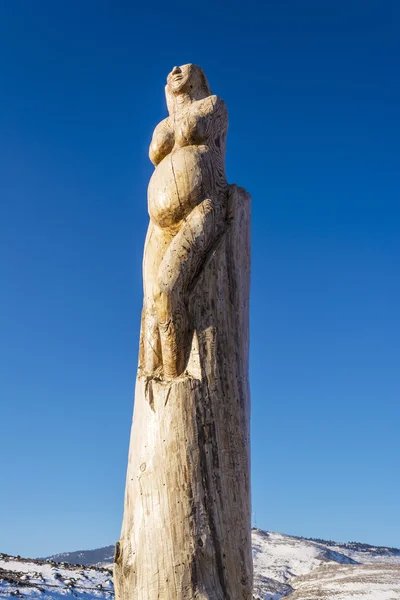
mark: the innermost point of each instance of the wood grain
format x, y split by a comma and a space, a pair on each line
186, 528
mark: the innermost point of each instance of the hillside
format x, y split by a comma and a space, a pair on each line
99, 557
302, 569
284, 567
47, 580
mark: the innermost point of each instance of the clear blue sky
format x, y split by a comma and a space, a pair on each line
313, 95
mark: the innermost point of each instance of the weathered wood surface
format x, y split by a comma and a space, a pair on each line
186, 531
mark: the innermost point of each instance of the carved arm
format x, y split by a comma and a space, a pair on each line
162, 141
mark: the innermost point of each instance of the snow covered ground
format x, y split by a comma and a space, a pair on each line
301, 569
31, 579
279, 558
284, 567
344, 582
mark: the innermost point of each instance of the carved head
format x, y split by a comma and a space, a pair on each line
187, 79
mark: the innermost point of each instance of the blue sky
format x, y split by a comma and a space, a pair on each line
313, 92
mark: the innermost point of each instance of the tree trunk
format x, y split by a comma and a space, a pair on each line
186, 532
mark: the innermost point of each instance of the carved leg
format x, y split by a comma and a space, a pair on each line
156, 243
152, 355
178, 270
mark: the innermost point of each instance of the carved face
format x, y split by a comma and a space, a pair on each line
186, 79
179, 79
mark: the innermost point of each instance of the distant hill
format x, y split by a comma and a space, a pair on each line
305, 569
99, 556
299, 568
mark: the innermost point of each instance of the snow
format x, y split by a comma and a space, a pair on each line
38, 579
284, 567
370, 556
344, 582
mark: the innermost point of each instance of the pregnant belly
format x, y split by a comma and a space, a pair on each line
178, 184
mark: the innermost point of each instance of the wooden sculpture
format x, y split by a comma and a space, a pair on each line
186, 531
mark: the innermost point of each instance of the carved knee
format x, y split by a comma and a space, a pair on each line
163, 299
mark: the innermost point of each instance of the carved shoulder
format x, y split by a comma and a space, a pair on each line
219, 106
212, 106
162, 141
214, 113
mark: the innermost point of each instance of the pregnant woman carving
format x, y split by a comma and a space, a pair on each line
187, 203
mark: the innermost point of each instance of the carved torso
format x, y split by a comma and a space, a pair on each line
188, 150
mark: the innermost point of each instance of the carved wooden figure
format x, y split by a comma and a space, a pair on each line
186, 529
